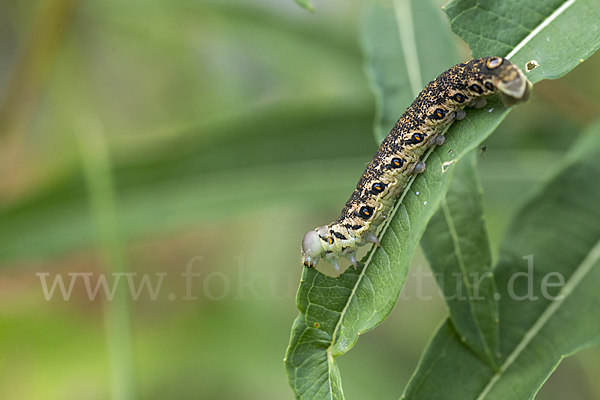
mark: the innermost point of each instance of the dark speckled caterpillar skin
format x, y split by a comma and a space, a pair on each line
420, 127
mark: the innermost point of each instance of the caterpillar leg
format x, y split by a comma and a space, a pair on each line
352, 259
418, 168
371, 238
336, 266
480, 103
460, 114
438, 140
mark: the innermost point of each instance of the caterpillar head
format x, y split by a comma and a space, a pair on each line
512, 83
312, 247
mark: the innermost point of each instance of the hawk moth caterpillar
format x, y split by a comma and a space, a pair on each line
421, 126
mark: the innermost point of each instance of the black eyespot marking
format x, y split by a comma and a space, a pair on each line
438, 114
459, 97
397, 162
365, 212
339, 235
489, 86
356, 227
415, 138
377, 187
326, 239
476, 88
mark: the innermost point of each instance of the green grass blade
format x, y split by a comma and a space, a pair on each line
97, 168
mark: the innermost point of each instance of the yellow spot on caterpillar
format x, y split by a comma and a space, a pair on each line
330, 240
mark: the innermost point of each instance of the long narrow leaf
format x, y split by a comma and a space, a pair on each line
550, 38
547, 285
334, 312
458, 249
447, 361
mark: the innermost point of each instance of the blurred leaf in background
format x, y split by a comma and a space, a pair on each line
232, 128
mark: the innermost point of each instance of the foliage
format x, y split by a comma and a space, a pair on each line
149, 136
334, 312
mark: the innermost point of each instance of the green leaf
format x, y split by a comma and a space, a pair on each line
449, 365
559, 230
335, 311
345, 307
458, 249
557, 34
307, 4
309, 362
404, 48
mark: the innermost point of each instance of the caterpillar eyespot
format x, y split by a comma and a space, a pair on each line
365, 212
459, 97
415, 138
397, 162
476, 88
377, 188
438, 114
421, 126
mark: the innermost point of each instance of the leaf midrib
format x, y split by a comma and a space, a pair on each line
539, 28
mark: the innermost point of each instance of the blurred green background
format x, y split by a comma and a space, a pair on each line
142, 135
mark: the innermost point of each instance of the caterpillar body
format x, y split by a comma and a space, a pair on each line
421, 126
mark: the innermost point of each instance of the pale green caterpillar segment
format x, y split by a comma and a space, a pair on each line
421, 126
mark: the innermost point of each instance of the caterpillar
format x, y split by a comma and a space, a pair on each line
420, 127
